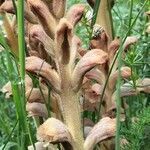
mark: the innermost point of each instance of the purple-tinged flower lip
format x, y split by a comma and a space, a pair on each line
75, 13
40, 67
88, 61
53, 131
36, 109
45, 17
103, 130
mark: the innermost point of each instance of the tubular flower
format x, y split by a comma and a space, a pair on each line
70, 79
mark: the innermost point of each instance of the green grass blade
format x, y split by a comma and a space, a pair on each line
95, 11
118, 95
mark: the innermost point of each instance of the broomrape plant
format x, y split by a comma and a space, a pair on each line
71, 80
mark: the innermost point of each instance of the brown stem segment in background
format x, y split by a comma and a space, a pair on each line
104, 18
12, 38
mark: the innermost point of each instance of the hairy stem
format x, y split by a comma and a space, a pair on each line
71, 108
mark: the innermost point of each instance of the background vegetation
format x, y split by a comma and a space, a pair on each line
138, 58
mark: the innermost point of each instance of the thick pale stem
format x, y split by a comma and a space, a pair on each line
104, 18
71, 108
